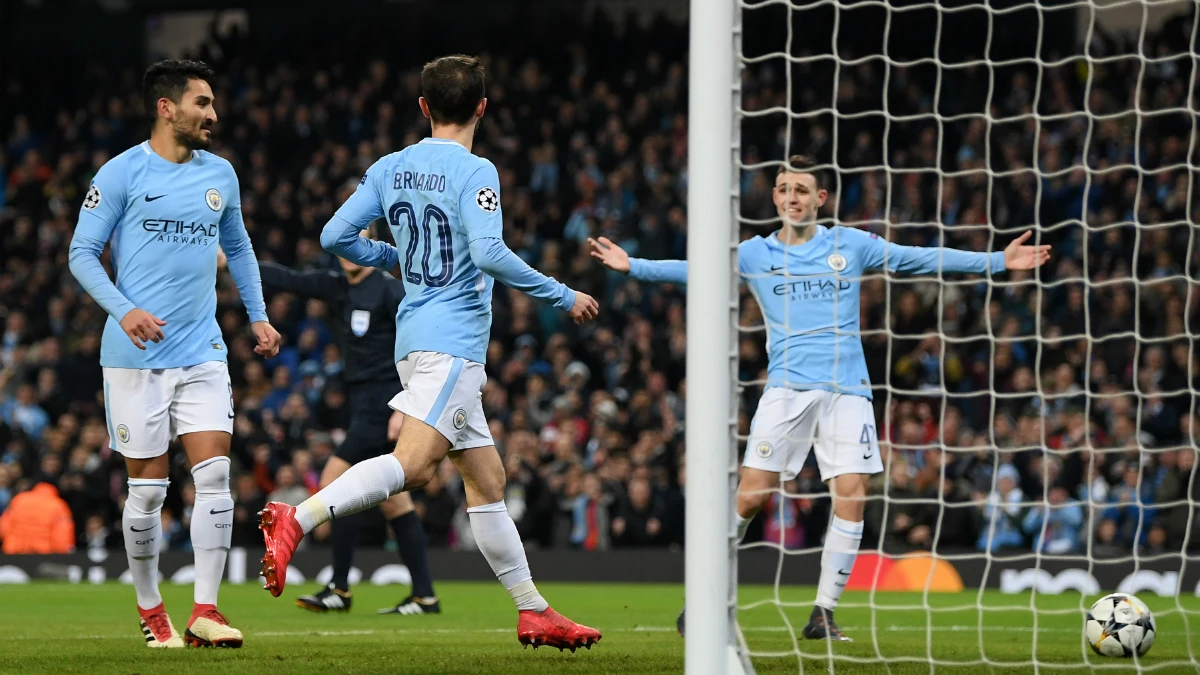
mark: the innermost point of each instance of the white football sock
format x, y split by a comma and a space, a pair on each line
212, 526
837, 560
498, 540
363, 485
743, 524
141, 526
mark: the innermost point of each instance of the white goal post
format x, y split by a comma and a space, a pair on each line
711, 426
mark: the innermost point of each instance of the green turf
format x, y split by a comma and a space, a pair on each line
59, 628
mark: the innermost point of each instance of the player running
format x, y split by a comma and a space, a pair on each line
165, 205
365, 304
806, 279
443, 205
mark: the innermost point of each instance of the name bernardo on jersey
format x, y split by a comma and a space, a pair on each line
414, 180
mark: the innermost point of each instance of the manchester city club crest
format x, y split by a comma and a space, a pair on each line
122, 433
460, 419
836, 262
764, 450
213, 199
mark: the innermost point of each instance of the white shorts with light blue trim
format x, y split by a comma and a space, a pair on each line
789, 423
445, 392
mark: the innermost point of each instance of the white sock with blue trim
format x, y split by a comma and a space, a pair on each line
837, 560
364, 485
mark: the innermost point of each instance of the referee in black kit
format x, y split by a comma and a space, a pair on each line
364, 302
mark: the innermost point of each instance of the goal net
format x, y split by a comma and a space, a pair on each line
1038, 429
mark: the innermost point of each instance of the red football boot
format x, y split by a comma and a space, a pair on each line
552, 629
281, 534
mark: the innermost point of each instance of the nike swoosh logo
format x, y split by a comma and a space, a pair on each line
231, 415
843, 572
868, 456
776, 270
150, 199
216, 512
134, 529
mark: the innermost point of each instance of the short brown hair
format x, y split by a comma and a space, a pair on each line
802, 164
453, 86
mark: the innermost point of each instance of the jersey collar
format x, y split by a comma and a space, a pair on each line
145, 146
820, 233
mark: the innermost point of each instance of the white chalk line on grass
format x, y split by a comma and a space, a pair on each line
636, 629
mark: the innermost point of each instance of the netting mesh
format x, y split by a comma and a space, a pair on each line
1038, 429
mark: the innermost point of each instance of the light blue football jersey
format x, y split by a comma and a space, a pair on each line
442, 204
809, 295
164, 222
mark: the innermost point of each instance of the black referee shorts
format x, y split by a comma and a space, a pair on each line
367, 435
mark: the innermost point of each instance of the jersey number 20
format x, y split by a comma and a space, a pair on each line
423, 236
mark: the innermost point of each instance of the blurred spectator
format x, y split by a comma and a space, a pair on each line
590, 526
1055, 526
436, 505
785, 518
1002, 513
37, 521
638, 521
287, 489
22, 411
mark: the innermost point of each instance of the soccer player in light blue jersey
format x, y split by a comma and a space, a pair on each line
164, 206
806, 278
443, 206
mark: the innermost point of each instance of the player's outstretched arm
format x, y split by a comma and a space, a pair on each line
930, 260
615, 258
98, 217
496, 260
323, 284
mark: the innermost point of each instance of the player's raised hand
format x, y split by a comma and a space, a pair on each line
612, 256
585, 309
268, 339
1018, 256
141, 327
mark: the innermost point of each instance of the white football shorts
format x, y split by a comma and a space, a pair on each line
446, 392
789, 423
147, 408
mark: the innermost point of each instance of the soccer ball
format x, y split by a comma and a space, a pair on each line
1120, 625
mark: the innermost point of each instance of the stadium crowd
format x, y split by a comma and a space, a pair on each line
1082, 402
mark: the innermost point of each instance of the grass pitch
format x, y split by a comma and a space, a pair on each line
60, 628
